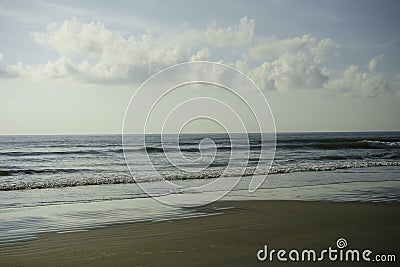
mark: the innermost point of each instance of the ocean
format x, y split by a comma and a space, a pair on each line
76, 182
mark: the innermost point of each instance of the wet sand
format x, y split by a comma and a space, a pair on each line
230, 237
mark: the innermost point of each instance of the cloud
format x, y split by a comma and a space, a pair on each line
290, 71
231, 36
304, 71
324, 49
60, 68
272, 47
200, 55
355, 82
100, 55
94, 40
296, 71
107, 55
373, 63
289, 64
92, 53
72, 38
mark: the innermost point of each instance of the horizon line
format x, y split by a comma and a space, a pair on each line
277, 132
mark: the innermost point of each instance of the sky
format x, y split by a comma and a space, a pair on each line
71, 67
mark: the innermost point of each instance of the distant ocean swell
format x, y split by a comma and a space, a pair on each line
47, 153
339, 143
37, 171
359, 156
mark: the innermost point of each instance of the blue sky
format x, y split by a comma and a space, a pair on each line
71, 66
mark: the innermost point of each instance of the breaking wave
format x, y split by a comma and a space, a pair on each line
209, 174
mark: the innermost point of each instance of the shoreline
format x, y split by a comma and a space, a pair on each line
231, 237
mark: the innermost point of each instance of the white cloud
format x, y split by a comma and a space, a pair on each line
324, 49
290, 64
71, 38
290, 71
63, 67
231, 36
94, 40
89, 52
272, 47
201, 55
60, 68
372, 64
355, 82
296, 71
9, 71
108, 49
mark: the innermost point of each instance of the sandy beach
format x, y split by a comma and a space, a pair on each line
230, 237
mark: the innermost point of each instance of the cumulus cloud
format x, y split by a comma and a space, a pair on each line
290, 71
200, 55
289, 64
355, 82
90, 52
102, 55
72, 38
9, 71
373, 63
108, 55
295, 71
231, 36
273, 47
324, 49
60, 68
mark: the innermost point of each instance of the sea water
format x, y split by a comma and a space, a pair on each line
69, 183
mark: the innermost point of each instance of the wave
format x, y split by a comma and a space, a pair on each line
152, 149
297, 144
381, 144
61, 184
395, 156
67, 152
149, 149
38, 171
338, 143
358, 144
331, 166
339, 157
194, 149
209, 174
309, 138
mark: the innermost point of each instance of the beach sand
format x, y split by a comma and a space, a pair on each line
230, 238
